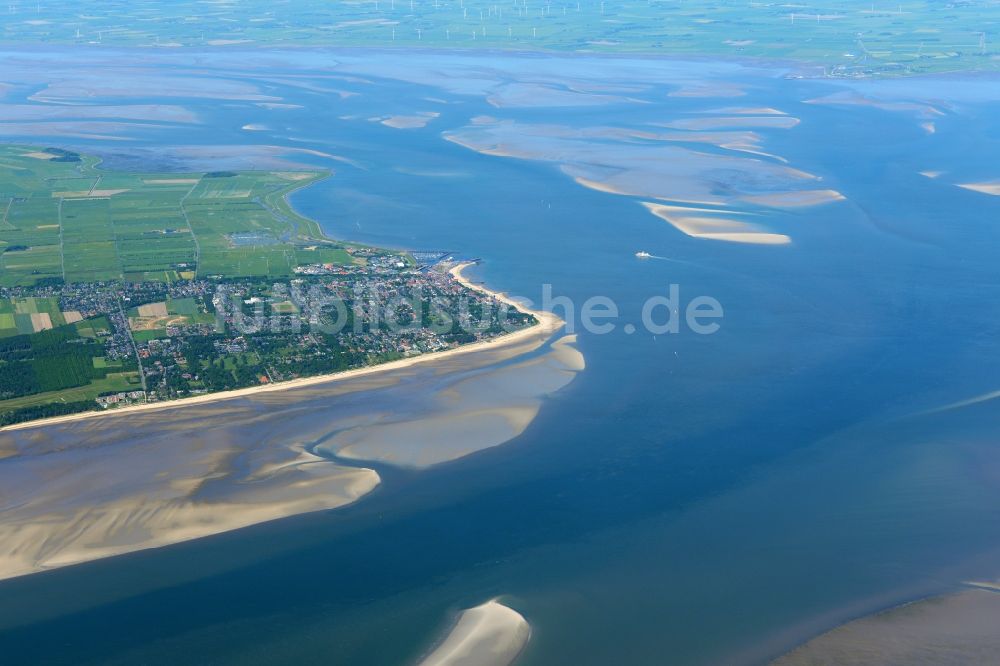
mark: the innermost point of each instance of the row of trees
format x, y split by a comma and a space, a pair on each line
45, 411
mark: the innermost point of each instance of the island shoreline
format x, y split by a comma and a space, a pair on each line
548, 323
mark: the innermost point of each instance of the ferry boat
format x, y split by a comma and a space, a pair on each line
643, 255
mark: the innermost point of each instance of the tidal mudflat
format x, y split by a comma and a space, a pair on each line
86, 488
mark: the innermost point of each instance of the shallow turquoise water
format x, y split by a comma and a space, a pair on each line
688, 499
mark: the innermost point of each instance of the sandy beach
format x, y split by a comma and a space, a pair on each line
547, 323
80, 488
488, 635
477, 412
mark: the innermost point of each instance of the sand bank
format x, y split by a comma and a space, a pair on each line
483, 410
547, 324
952, 629
852, 98
991, 188
743, 141
533, 95
710, 224
645, 163
408, 122
708, 90
89, 486
101, 500
144, 112
488, 635
722, 122
746, 111
796, 199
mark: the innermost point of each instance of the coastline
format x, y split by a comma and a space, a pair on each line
176, 483
547, 323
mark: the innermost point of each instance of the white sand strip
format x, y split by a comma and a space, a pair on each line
488, 635
707, 224
795, 199
984, 188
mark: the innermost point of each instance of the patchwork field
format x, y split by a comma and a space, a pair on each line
151, 321
842, 35
64, 219
31, 315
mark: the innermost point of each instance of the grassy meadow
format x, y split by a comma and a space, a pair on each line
65, 219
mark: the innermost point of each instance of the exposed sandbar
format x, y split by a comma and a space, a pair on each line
530, 95
991, 188
488, 635
746, 111
483, 410
708, 90
710, 224
952, 629
796, 199
82, 504
852, 98
486, 409
94, 485
409, 122
721, 122
148, 112
639, 163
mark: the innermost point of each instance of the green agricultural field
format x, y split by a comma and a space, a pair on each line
29, 315
92, 328
845, 36
64, 219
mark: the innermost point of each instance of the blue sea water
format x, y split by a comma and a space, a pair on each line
687, 499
